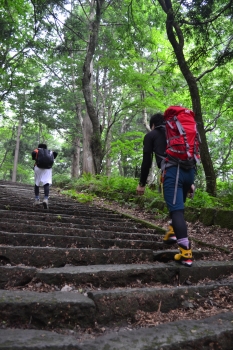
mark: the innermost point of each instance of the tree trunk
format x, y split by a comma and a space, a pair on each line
144, 114
175, 36
96, 146
108, 139
108, 150
75, 166
16, 157
88, 162
76, 159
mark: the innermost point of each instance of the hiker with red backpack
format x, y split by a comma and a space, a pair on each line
175, 141
44, 160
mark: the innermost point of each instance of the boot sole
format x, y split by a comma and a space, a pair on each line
185, 263
170, 242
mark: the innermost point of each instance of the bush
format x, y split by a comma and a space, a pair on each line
123, 190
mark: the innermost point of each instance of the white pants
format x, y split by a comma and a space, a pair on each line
42, 176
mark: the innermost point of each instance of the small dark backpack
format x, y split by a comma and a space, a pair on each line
44, 158
183, 141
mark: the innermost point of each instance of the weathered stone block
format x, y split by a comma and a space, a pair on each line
191, 214
207, 216
224, 218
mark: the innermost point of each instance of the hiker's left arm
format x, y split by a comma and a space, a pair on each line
33, 155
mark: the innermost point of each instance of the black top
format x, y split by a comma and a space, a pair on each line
34, 155
154, 142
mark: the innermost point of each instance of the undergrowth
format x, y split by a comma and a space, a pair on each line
123, 190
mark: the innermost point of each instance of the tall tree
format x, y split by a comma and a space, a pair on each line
200, 14
16, 33
96, 10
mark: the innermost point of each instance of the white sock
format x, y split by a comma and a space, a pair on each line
184, 242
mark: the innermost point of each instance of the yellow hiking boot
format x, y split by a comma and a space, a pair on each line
170, 237
185, 256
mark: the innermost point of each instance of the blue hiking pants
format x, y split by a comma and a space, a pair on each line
185, 180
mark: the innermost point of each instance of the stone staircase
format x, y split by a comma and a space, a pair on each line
75, 277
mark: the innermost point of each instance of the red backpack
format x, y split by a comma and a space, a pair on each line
183, 141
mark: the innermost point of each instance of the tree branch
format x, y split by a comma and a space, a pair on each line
211, 19
227, 155
206, 72
217, 64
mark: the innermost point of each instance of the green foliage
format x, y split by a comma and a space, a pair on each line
63, 181
123, 190
116, 188
135, 74
80, 197
202, 199
225, 193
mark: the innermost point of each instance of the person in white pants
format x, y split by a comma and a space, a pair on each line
42, 177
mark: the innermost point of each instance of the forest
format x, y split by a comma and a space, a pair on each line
84, 77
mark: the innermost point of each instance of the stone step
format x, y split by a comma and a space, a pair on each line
47, 229
27, 239
83, 215
46, 310
125, 274
24, 201
105, 307
118, 275
15, 276
109, 286
57, 257
59, 210
69, 231
53, 218
116, 306
31, 339
82, 223
92, 233
26, 197
214, 332
21, 202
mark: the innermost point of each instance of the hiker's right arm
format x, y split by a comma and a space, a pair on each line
145, 167
55, 154
160, 146
191, 191
147, 159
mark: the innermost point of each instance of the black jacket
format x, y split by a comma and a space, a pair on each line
154, 142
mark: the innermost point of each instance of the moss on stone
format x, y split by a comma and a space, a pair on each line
207, 216
191, 214
224, 218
